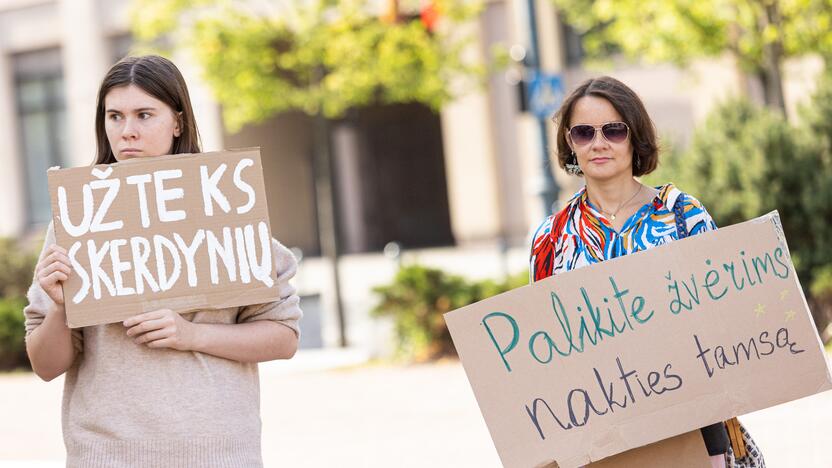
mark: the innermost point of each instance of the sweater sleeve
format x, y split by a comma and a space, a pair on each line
41, 304
285, 310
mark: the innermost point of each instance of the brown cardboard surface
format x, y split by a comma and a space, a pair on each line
135, 221
556, 383
682, 451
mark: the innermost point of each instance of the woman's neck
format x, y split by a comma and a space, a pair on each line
610, 195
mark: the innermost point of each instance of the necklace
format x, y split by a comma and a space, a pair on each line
620, 205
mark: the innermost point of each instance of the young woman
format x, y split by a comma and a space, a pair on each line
605, 135
159, 389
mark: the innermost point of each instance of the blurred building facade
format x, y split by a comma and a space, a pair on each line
457, 190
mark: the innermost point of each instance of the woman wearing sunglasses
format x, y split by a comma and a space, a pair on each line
605, 135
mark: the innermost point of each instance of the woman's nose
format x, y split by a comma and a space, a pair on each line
598, 139
129, 131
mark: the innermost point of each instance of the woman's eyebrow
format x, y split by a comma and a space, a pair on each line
140, 109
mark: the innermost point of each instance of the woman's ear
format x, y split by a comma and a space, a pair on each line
177, 129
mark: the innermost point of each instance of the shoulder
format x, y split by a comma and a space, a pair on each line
284, 259
551, 227
545, 243
543, 230
670, 195
691, 206
696, 215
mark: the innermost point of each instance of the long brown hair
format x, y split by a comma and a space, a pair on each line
629, 105
160, 78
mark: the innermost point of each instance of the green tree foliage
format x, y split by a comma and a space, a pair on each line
731, 161
419, 296
746, 161
316, 56
760, 34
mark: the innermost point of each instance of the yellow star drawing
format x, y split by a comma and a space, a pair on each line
783, 294
760, 310
790, 314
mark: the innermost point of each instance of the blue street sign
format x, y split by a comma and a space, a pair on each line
545, 94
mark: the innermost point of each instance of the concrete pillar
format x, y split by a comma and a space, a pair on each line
470, 163
86, 58
504, 107
12, 177
549, 37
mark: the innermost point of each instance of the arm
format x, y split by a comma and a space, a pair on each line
49, 342
263, 332
50, 347
258, 341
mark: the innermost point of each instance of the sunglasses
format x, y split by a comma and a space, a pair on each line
614, 132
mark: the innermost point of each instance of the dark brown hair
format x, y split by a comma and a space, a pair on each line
628, 104
160, 78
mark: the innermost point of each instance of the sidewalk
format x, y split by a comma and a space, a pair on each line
329, 408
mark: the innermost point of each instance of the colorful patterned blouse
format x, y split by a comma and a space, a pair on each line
580, 235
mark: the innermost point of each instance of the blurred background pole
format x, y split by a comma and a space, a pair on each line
327, 220
547, 187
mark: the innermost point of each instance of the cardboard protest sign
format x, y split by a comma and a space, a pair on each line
597, 361
182, 232
682, 451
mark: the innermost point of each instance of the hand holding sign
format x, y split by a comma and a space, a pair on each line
52, 270
161, 329
180, 232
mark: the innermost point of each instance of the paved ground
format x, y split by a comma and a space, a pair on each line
327, 409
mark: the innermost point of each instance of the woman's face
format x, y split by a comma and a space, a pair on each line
137, 124
600, 159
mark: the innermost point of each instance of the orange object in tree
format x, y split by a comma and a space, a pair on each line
429, 14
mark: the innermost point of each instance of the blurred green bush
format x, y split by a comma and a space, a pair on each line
418, 296
12, 332
17, 266
747, 160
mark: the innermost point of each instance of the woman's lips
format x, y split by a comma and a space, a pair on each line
600, 160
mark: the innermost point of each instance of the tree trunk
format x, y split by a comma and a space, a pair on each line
769, 73
326, 210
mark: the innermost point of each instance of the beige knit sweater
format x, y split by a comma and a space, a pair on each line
126, 405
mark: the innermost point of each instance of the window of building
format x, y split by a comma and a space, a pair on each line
41, 109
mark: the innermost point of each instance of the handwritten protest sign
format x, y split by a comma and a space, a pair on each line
594, 362
182, 232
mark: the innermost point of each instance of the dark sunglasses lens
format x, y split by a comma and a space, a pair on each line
582, 134
615, 132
